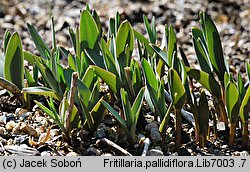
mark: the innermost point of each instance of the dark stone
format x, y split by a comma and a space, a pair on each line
23, 139
1, 14
183, 152
93, 152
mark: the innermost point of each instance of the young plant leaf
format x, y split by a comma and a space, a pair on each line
112, 80
7, 36
150, 29
94, 96
137, 77
164, 122
248, 70
88, 31
55, 59
40, 44
176, 89
41, 91
201, 52
125, 37
198, 33
136, 108
245, 106
144, 41
95, 56
163, 55
30, 57
203, 117
109, 60
54, 47
153, 28
14, 61
48, 76
83, 92
121, 121
241, 87
172, 46
232, 102
97, 21
126, 106
72, 62
137, 104
117, 20
89, 77
227, 78
214, 46
72, 36
63, 110
158, 99
89, 119
51, 114
30, 79
112, 30
206, 80
98, 110
149, 74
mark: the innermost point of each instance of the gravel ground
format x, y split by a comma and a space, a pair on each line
232, 18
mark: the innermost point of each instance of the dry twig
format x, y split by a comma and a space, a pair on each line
114, 146
13, 89
71, 98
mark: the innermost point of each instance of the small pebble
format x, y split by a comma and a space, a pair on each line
100, 133
10, 125
150, 126
221, 153
30, 130
35, 108
93, 152
26, 115
112, 133
237, 153
6, 117
155, 135
149, 118
109, 121
190, 150
174, 154
10, 142
244, 153
3, 119
224, 146
72, 154
107, 154
155, 152
40, 119
20, 139
54, 132
172, 144
2, 130
20, 111
141, 137
45, 153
